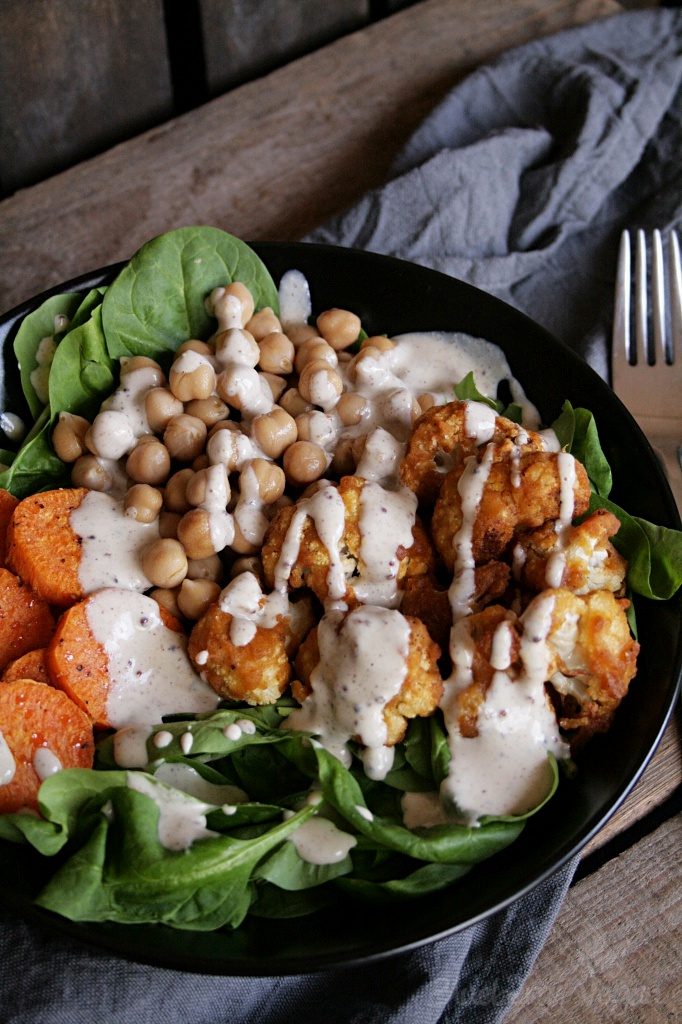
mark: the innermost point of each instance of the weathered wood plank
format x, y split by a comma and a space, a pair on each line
247, 38
613, 955
275, 157
76, 78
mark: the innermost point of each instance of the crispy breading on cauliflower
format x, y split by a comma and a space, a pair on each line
311, 567
518, 494
446, 434
580, 558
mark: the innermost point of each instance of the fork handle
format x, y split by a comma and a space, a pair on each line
669, 454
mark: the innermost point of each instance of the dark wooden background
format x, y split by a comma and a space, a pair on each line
78, 76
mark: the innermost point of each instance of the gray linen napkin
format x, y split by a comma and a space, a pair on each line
519, 182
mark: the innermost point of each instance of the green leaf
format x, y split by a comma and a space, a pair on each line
82, 372
33, 328
424, 879
653, 553
157, 300
467, 391
35, 466
287, 870
577, 432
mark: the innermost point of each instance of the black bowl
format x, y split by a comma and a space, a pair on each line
392, 296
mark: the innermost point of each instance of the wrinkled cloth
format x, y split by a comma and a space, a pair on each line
519, 182
522, 179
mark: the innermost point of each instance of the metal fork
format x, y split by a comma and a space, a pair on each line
647, 364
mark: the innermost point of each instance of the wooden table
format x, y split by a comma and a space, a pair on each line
271, 160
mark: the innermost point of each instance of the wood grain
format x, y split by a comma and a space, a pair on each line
275, 157
76, 78
613, 956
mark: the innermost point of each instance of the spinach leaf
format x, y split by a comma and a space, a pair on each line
653, 553
287, 870
424, 879
157, 300
273, 902
35, 466
467, 391
33, 328
577, 432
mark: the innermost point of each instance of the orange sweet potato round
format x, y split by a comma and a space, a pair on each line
33, 717
8, 503
29, 666
26, 621
43, 549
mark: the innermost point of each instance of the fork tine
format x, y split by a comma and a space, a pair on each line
620, 348
658, 298
641, 302
675, 272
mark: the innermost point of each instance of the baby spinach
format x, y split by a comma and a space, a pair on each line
34, 327
157, 300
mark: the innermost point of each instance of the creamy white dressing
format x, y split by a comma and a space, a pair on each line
45, 762
150, 674
556, 563
381, 457
250, 608
470, 486
326, 509
386, 522
12, 426
128, 400
249, 513
188, 780
363, 664
130, 746
8, 765
111, 543
182, 818
505, 769
319, 841
295, 306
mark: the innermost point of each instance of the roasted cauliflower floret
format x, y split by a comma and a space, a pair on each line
419, 694
517, 494
579, 558
474, 647
446, 434
595, 659
315, 560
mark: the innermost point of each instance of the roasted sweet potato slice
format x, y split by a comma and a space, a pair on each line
8, 503
42, 730
43, 549
29, 666
79, 665
26, 621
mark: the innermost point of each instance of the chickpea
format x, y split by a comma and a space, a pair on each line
262, 323
276, 353
240, 544
230, 425
236, 346
167, 598
210, 568
143, 503
274, 431
300, 333
339, 327
168, 524
352, 408
160, 406
202, 348
164, 563
369, 352
194, 533
201, 462
209, 484
196, 597
304, 462
320, 384
226, 446
91, 472
292, 402
426, 401
316, 426
148, 462
129, 364
209, 410
175, 491
192, 376
242, 293
242, 388
270, 478
315, 348
379, 341
68, 436
277, 385
343, 463
185, 437
247, 563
